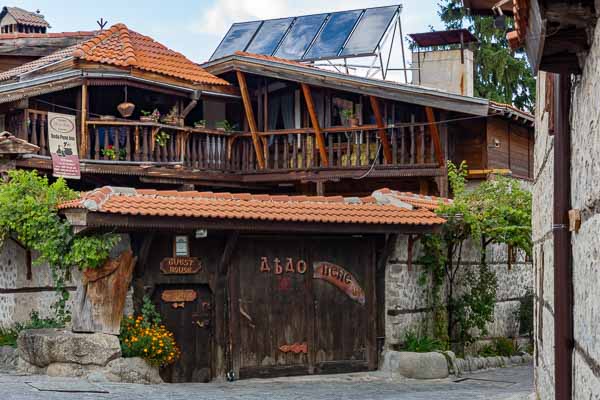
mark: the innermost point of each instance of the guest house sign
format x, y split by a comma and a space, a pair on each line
339, 278
62, 140
180, 266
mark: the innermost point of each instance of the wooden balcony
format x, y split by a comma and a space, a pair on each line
346, 151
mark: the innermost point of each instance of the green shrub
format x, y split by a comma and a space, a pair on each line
488, 351
8, 336
504, 347
421, 344
525, 314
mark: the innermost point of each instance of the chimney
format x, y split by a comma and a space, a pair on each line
445, 70
441, 60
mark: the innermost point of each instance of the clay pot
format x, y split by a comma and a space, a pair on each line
353, 122
146, 118
126, 109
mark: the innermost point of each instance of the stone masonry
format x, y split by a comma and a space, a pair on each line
406, 303
585, 196
20, 295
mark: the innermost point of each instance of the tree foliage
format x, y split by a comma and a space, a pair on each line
28, 213
500, 75
497, 211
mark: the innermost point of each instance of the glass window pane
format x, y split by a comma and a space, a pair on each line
236, 39
369, 31
269, 35
300, 36
334, 34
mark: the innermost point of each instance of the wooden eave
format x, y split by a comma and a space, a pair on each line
83, 220
368, 87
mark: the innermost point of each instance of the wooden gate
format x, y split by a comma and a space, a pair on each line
303, 306
187, 312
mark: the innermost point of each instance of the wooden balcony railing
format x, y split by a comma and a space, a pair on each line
205, 149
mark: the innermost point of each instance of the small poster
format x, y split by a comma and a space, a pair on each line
62, 140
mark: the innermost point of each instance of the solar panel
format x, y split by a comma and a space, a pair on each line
369, 31
334, 35
311, 37
269, 35
300, 36
237, 38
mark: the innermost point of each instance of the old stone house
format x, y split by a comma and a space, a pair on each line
562, 42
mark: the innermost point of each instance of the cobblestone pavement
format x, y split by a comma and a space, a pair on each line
513, 383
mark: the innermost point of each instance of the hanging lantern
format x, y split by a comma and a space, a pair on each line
126, 108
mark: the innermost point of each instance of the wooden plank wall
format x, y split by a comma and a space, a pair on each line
510, 146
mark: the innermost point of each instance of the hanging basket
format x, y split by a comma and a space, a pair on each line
126, 109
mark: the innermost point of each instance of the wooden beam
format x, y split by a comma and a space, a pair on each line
435, 136
260, 156
315, 124
84, 142
385, 143
188, 108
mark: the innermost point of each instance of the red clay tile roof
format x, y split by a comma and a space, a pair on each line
416, 200
282, 208
58, 55
123, 47
26, 17
49, 35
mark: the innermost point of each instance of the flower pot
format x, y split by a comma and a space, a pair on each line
107, 118
353, 122
126, 109
169, 121
146, 118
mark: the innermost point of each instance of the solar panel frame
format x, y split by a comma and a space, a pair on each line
278, 50
397, 9
333, 54
229, 32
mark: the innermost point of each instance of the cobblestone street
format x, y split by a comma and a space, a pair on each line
513, 383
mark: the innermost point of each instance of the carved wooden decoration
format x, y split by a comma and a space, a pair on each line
178, 295
180, 266
339, 278
295, 348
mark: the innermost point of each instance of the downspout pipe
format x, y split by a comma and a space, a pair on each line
563, 269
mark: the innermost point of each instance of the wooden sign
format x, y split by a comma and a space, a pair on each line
339, 278
295, 348
180, 266
178, 295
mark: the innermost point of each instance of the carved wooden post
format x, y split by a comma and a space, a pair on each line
100, 297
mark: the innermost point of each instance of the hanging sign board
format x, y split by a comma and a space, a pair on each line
180, 266
339, 278
62, 140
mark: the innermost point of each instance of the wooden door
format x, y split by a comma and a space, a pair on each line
191, 323
273, 318
345, 316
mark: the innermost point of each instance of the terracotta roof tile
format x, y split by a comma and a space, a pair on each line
49, 35
59, 55
26, 17
123, 47
317, 209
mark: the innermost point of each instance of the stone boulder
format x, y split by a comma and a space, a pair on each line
42, 347
8, 357
131, 370
416, 365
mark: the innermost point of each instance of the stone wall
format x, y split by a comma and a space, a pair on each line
20, 295
406, 302
585, 196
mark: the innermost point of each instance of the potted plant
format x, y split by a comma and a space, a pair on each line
172, 117
349, 116
148, 116
224, 126
200, 124
109, 152
162, 138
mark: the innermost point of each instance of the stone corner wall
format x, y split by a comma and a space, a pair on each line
406, 302
19, 295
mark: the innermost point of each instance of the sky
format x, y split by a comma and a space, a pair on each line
195, 28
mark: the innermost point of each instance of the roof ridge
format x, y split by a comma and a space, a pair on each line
121, 31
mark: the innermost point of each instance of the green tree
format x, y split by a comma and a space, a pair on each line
29, 214
497, 211
500, 75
